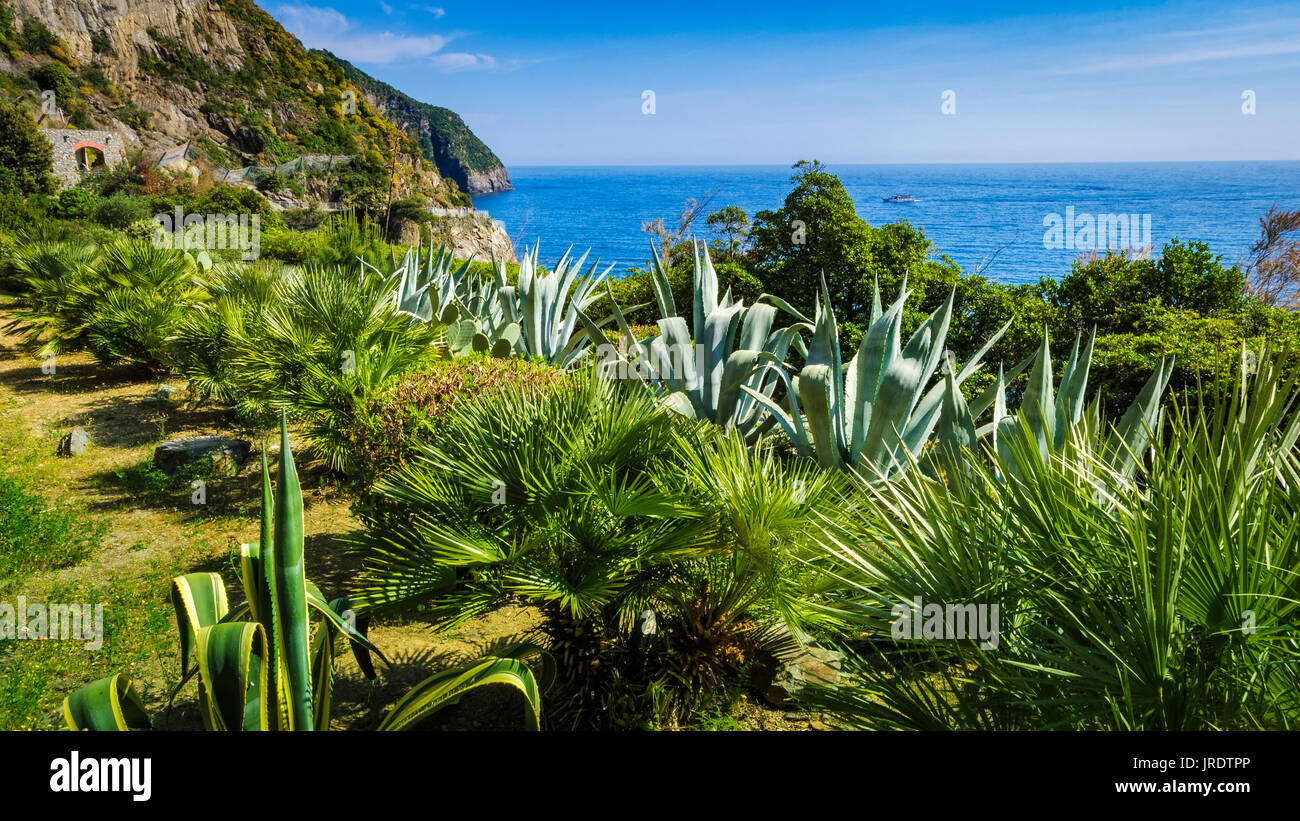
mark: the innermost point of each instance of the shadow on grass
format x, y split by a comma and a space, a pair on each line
69, 378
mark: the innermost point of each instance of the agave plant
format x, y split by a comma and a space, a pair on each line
1052, 418
1157, 596
473, 308
721, 374
882, 409
260, 665
549, 307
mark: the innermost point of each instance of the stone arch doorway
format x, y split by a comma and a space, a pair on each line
90, 156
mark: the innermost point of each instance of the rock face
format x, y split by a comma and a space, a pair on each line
474, 236
486, 182
444, 138
224, 73
169, 457
814, 666
74, 443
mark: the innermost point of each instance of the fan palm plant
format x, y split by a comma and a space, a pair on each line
46, 276
325, 341
547, 494
122, 305
1152, 597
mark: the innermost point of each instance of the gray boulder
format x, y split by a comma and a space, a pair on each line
228, 454
74, 443
815, 665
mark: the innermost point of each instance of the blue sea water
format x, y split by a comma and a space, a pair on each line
985, 217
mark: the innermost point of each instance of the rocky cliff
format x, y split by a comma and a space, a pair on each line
441, 133
225, 77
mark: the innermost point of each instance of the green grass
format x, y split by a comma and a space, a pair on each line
138, 639
39, 535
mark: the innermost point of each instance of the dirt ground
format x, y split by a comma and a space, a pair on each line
153, 536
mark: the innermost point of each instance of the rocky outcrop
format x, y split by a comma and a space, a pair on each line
474, 237
443, 136
486, 182
225, 74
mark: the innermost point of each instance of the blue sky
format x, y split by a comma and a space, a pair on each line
758, 82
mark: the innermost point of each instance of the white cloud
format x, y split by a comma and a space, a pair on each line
387, 9
435, 11
462, 61
329, 29
1198, 55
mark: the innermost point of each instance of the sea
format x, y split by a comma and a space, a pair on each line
1009, 222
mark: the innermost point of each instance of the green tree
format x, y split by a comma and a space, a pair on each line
54, 76
815, 233
26, 160
1109, 292
731, 225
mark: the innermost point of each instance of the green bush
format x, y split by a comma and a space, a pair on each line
1110, 293
19, 212
36, 38
413, 409
26, 158
296, 247
121, 210
54, 76
75, 204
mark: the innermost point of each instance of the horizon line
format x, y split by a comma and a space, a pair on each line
829, 163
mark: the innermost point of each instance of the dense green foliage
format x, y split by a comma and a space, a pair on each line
1161, 600
26, 160
683, 521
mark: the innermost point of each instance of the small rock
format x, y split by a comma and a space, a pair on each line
74, 443
814, 665
169, 457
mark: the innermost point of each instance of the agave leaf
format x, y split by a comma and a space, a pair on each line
1038, 407
447, 687
199, 600
107, 704
289, 590
1132, 435
233, 675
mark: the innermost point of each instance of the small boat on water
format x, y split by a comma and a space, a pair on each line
899, 198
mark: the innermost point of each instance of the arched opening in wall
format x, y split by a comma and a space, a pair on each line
91, 158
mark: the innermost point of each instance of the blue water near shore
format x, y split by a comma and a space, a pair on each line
979, 215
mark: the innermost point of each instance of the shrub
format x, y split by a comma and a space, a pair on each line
19, 212
121, 210
36, 38
26, 158
292, 246
414, 408
54, 76
75, 204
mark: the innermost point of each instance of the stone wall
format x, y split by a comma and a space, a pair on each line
65, 142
